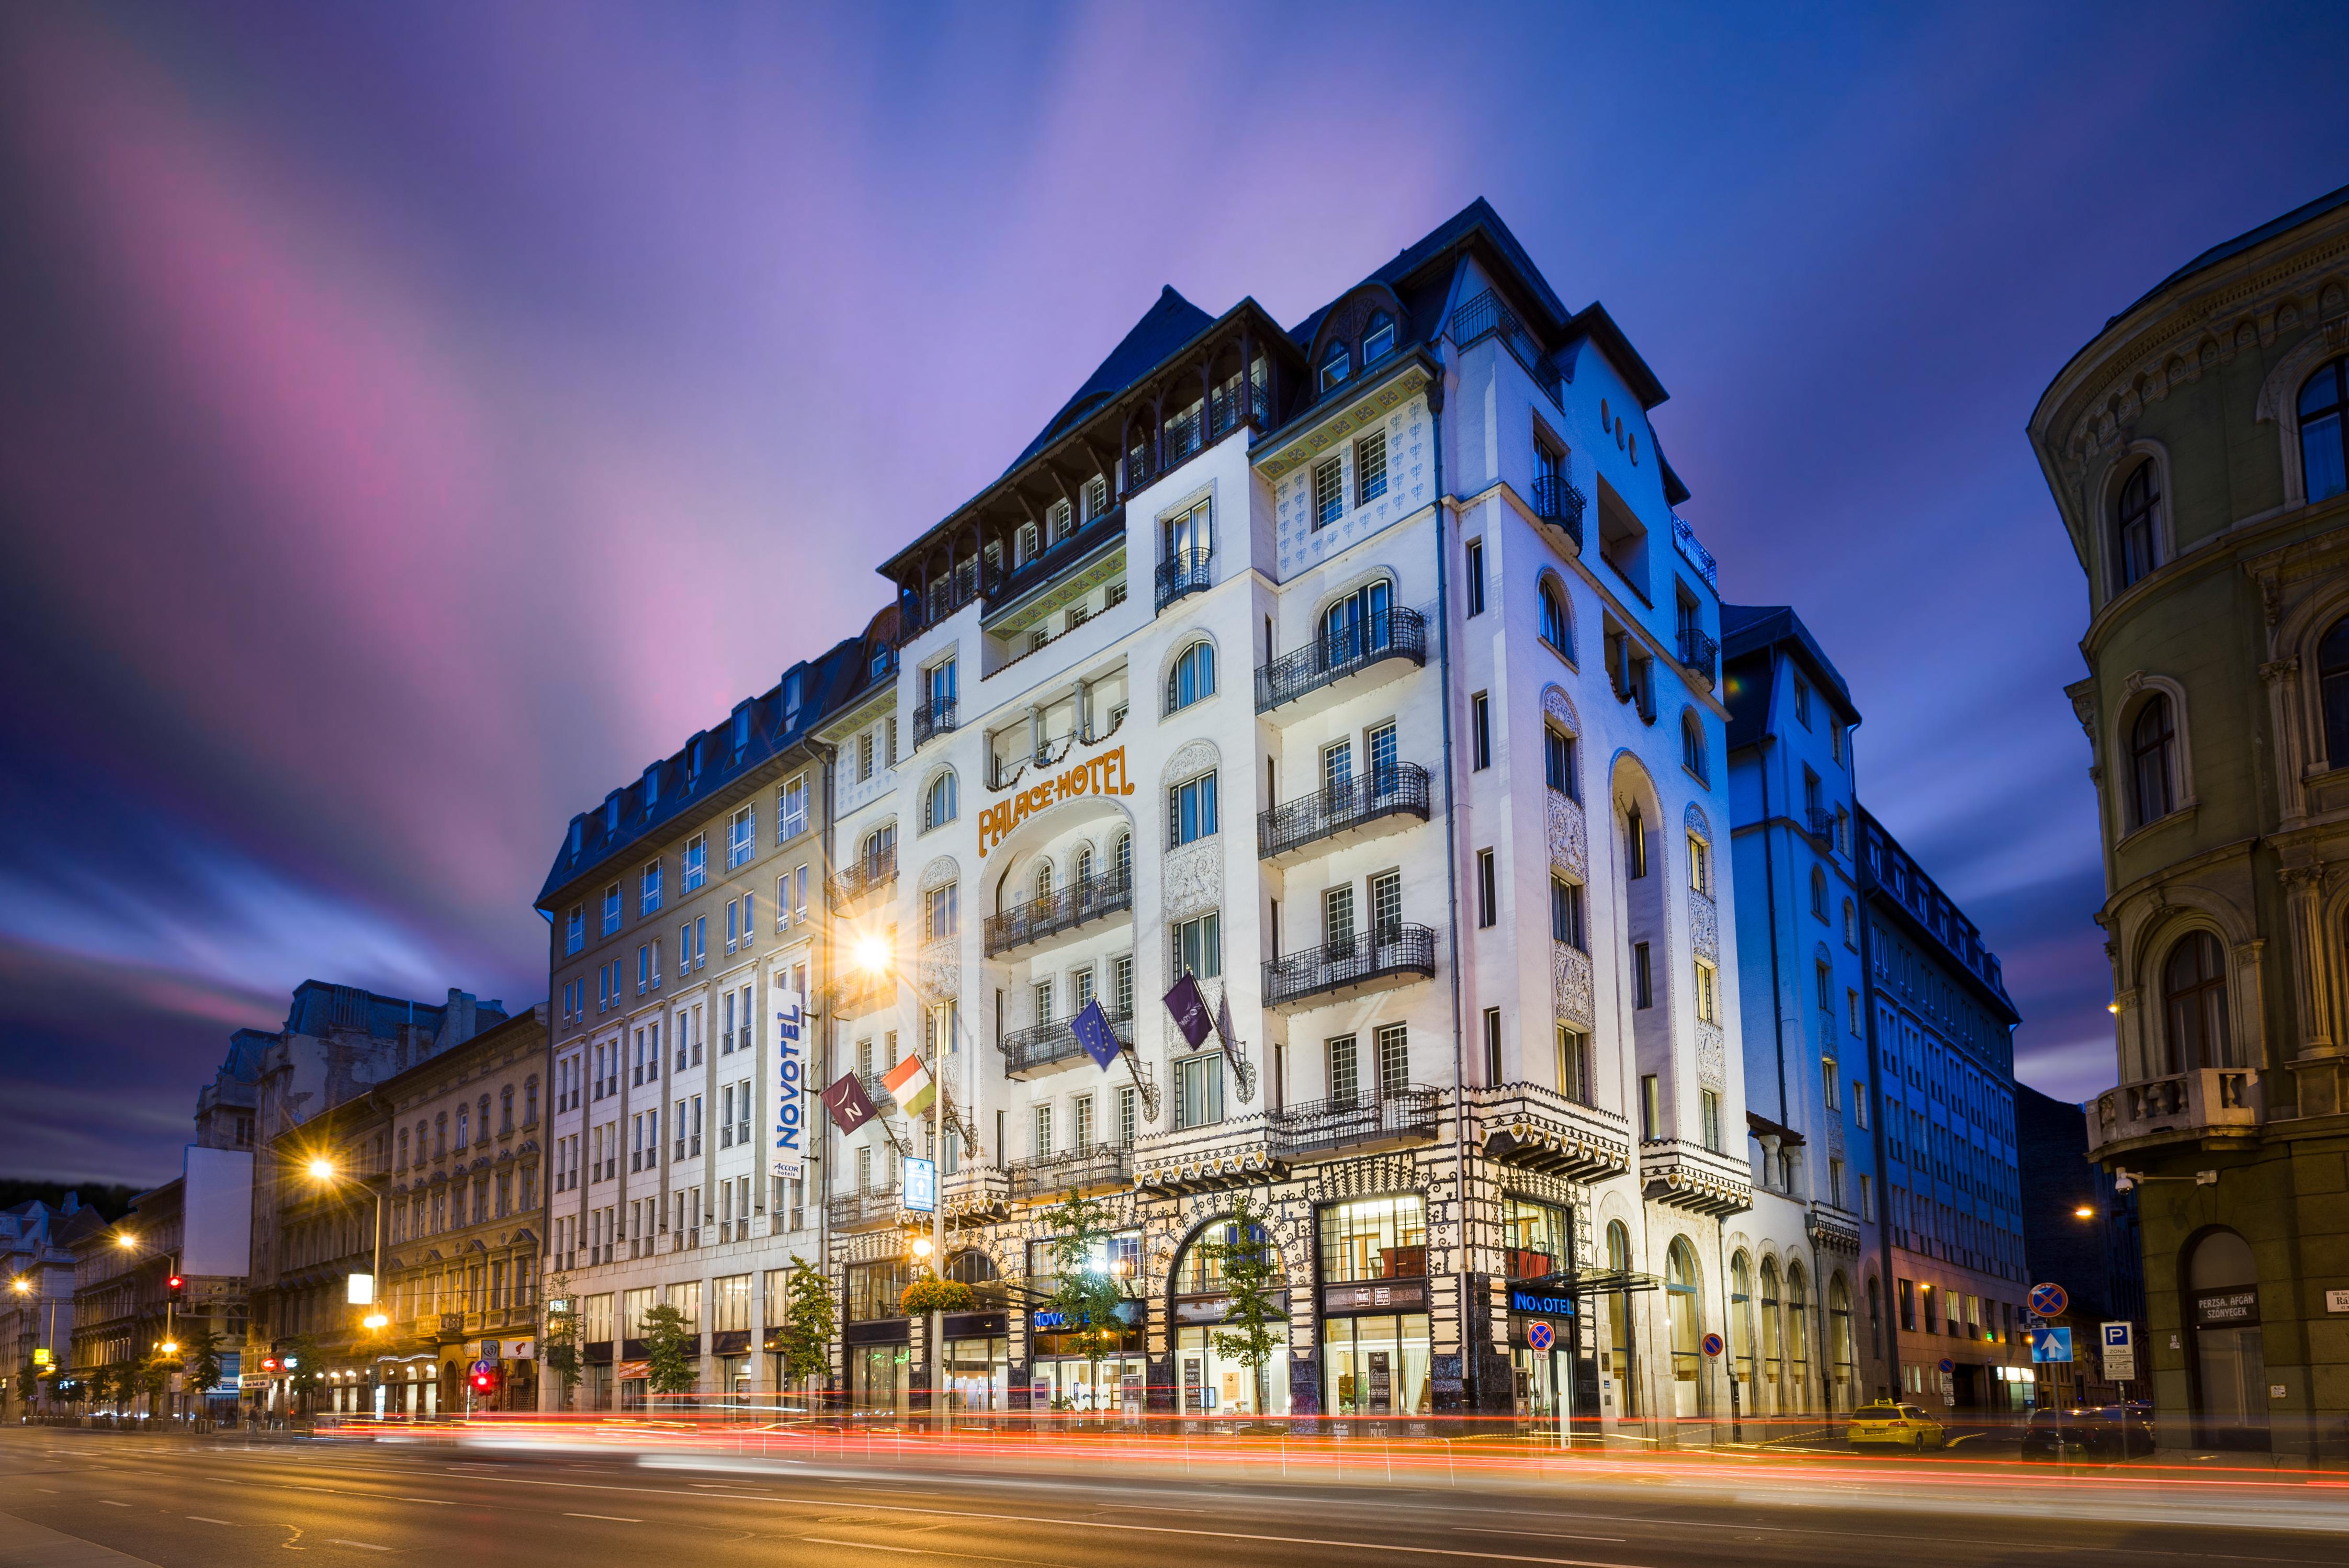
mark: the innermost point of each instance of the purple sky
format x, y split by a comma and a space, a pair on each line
413, 422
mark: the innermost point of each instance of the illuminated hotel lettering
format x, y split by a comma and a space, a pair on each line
1104, 774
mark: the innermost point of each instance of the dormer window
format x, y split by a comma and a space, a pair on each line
652, 786
693, 761
1023, 546
794, 684
611, 814
1096, 496
1063, 521
1336, 365
1380, 340
741, 730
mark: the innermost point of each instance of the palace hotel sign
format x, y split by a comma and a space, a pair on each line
1104, 774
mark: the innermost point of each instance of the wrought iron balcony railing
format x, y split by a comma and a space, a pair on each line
1107, 893
1398, 789
1341, 1123
1822, 824
1557, 501
1485, 317
1698, 650
1387, 954
1042, 1178
1394, 633
1042, 1045
869, 875
1187, 573
1234, 402
872, 1206
932, 718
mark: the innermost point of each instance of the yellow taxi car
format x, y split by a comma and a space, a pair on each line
1884, 1425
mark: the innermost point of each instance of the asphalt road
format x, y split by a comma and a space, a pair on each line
76, 1499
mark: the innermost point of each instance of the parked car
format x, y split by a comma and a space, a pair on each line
1884, 1425
2094, 1433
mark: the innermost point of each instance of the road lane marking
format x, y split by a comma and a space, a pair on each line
362, 1545
614, 1518
111, 1503
434, 1501
208, 1519
870, 1546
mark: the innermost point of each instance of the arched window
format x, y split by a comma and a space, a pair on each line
1200, 1271
1741, 1321
462, 1118
1556, 630
2133, 527
1618, 1315
1693, 745
1336, 365
1839, 1342
403, 1148
1819, 892
972, 1267
2194, 1002
1361, 623
1379, 339
939, 805
2333, 687
2324, 403
1850, 926
1772, 1332
2153, 762
505, 1109
1193, 677
1687, 1324
1043, 878
1120, 858
1798, 1336
1081, 871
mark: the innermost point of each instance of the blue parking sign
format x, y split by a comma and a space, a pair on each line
2051, 1345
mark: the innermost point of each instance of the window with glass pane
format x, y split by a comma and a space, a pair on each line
1199, 1090
941, 916
2323, 404
1345, 1075
1338, 766
1361, 623
1370, 468
1566, 912
696, 862
742, 836
1337, 917
1193, 677
1336, 363
1190, 535
1329, 492
2133, 527
1121, 983
1379, 750
1043, 1132
1382, 1238
1191, 811
1573, 1063
2152, 771
1557, 762
1043, 1001
1198, 947
1395, 1058
1533, 1237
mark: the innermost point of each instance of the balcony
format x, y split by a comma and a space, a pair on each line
1698, 652
1344, 813
1359, 1124
1821, 823
1692, 551
860, 991
2184, 1107
1485, 317
1044, 1046
1235, 1152
1558, 503
1390, 643
1538, 1128
1079, 903
1051, 1176
975, 1195
1190, 572
1393, 956
933, 719
869, 876
868, 1209
1689, 1176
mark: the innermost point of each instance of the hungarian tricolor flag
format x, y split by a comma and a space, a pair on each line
909, 1084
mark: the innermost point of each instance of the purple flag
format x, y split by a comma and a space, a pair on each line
1189, 1007
1224, 1029
1092, 1029
850, 1105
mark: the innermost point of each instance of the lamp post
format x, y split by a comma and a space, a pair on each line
23, 1286
871, 954
169, 1345
323, 1171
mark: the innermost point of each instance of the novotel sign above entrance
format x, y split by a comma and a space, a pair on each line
1104, 774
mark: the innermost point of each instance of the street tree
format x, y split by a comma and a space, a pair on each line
1087, 1290
804, 1340
668, 1350
1254, 1324
561, 1338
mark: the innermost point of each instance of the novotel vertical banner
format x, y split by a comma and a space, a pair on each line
785, 1151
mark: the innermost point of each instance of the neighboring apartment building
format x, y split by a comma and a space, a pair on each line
2195, 449
686, 912
37, 1295
1363, 672
338, 1043
438, 1169
1942, 1042
2080, 1234
1810, 1088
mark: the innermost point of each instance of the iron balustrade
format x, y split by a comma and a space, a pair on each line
1685, 541
1399, 788
1394, 950
1339, 1123
1392, 633
1822, 824
1485, 317
870, 1206
1556, 500
1080, 1169
875, 871
1049, 1045
933, 719
1232, 405
1697, 649
1089, 899
1187, 573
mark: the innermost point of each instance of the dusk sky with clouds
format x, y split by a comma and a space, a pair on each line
414, 419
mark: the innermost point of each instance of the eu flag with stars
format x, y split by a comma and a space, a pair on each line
1092, 1032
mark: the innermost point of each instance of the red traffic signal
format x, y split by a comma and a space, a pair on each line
177, 1285
269, 1364
484, 1381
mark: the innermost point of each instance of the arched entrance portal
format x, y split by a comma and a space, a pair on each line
2222, 1304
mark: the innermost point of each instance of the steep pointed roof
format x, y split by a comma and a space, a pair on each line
1166, 326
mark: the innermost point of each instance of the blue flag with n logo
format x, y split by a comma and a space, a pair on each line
1092, 1032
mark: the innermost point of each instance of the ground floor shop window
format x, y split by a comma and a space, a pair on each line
978, 1374
1209, 1383
598, 1388
633, 1393
879, 1378
734, 1377
1376, 1366
1068, 1384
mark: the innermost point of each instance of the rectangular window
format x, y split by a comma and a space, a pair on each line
1329, 492
1709, 1101
1700, 865
1121, 985
1868, 1198
612, 908
1851, 1010
1127, 1099
1557, 762
1566, 912
648, 890
1199, 1090
1859, 1105
1198, 946
1475, 577
1488, 891
941, 920
1380, 749
1337, 917
1345, 1075
1480, 732
1043, 1132
1395, 1059
733, 935
792, 811
1043, 1001
1191, 811
1386, 906
1573, 1063
1370, 468
1338, 766
1835, 1183
701, 940
1643, 990
1908, 1307
1492, 1044
696, 862
1707, 1003
1652, 1106
1802, 702
1828, 1083
865, 756
1382, 1237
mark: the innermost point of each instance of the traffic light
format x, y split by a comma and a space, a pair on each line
176, 1287
485, 1380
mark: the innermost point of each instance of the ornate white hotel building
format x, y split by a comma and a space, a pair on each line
1364, 671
